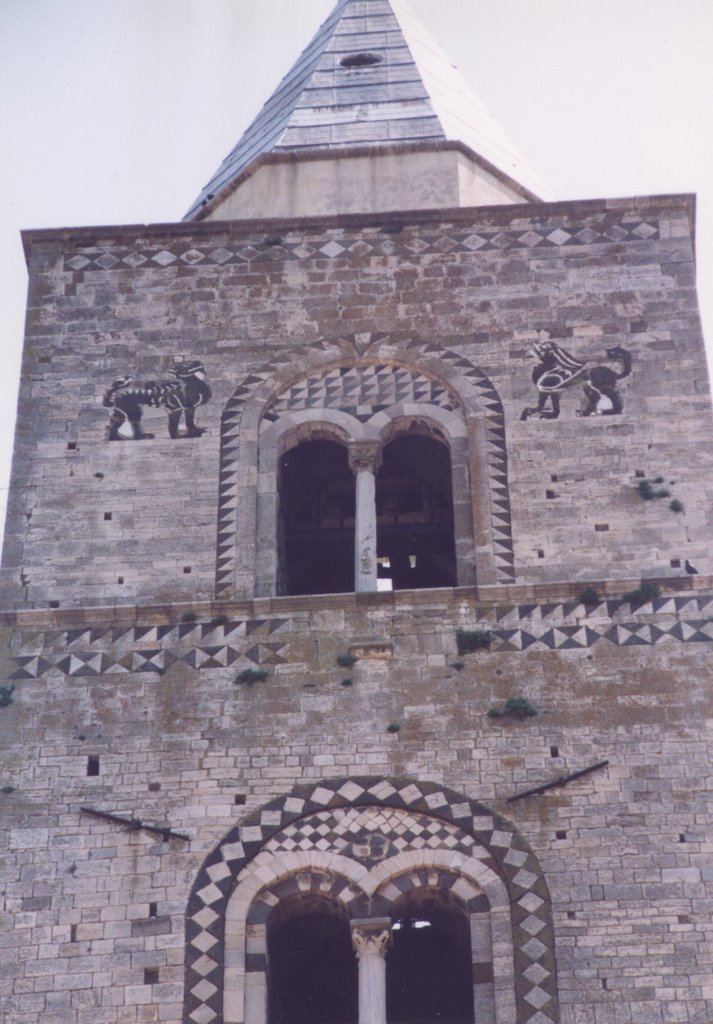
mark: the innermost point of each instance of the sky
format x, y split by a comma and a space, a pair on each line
119, 111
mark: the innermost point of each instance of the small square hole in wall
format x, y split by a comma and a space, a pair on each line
154, 787
93, 764
571, 915
153, 909
71, 446
186, 569
550, 494
675, 563
554, 751
681, 837
54, 604
239, 799
601, 527
540, 553
640, 473
119, 579
107, 515
150, 975
554, 478
560, 834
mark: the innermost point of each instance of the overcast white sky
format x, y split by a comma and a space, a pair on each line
118, 111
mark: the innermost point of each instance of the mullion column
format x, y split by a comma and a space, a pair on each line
371, 938
364, 461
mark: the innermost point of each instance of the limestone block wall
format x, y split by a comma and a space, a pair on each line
146, 717
463, 298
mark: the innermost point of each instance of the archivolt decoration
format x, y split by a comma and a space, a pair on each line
367, 378
490, 865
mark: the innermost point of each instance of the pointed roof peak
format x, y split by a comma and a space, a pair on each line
372, 76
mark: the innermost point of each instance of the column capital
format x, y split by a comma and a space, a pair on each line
371, 936
364, 455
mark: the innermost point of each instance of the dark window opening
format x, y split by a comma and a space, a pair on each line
360, 60
93, 764
414, 510
316, 533
429, 970
312, 970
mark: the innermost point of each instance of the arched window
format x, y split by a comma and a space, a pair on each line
316, 519
442, 535
429, 969
311, 967
414, 509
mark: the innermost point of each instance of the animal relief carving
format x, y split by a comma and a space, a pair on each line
179, 398
557, 371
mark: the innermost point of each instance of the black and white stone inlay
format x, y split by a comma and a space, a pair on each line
434, 814
416, 241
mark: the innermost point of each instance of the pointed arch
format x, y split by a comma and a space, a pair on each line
483, 447
504, 854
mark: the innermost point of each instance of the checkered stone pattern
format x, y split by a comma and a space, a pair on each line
470, 379
361, 391
153, 649
505, 850
370, 835
416, 242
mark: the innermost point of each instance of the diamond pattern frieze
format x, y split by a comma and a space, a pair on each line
412, 242
154, 649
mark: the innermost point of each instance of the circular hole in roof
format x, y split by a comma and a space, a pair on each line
360, 60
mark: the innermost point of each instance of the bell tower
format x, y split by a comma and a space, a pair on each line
356, 586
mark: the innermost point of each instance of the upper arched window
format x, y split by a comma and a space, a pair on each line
372, 476
316, 519
414, 514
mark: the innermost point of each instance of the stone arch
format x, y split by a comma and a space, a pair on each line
240, 426
505, 863
284, 432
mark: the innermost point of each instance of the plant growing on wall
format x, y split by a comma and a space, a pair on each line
514, 707
588, 597
650, 490
346, 660
6, 693
643, 593
469, 640
250, 676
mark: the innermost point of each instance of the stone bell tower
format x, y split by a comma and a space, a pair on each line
356, 588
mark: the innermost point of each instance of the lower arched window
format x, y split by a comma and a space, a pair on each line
311, 967
429, 969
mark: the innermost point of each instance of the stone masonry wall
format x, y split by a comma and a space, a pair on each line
625, 850
98, 523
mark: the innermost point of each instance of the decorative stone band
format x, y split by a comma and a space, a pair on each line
363, 243
154, 649
503, 851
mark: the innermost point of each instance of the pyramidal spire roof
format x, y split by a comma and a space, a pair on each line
372, 76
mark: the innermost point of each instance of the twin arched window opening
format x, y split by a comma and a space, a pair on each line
366, 516
314, 976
